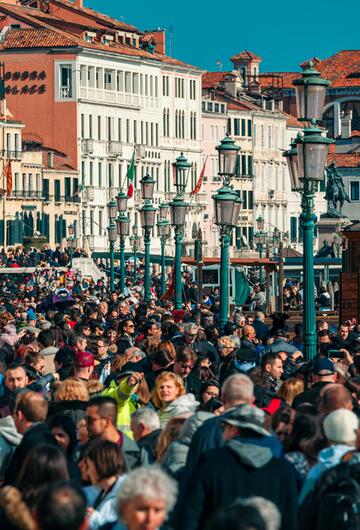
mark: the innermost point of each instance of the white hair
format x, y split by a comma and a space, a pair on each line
267, 510
148, 417
148, 483
191, 326
237, 389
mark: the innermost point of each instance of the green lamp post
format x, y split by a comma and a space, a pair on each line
123, 229
135, 243
163, 227
227, 205
112, 234
260, 240
147, 219
306, 161
178, 208
71, 242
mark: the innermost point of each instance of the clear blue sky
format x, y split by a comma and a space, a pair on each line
283, 32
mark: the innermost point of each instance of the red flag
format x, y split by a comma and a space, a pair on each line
130, 191
171, 287
200, 180
130, 177
174, 174
8, 176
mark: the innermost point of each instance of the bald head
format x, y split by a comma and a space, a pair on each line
334, 397
249, 332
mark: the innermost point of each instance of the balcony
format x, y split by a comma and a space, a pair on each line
13, 155
87, 147
26, 194
114, 148
88, 193
43, 196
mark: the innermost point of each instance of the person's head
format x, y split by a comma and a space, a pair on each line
15, 377
324, 337
225, 346
321, 325
237, 389
244, 420
36, 361
80, 343
127, 326
30, 407
272, 365
259, 315
343, 332
341, 427
249, 332
124, 308
72, 389
104, 460
143, 422
64, 430
307, 435
323, 370
333, 397
168, 387
291, 388
251, 513
184, 361
84, 364
146, 497
209, 389
62, 506
298, 328
100, 416
152, 329
46, 338
190, 333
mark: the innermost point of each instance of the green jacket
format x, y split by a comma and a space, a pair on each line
127, 403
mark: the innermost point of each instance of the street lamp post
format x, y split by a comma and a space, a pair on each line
163, 227
178, 208
306, 161
123, 227
71, 241
135, 242
227, 205
260, 238
112, 234
147, 218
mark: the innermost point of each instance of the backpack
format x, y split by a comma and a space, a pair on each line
339, 499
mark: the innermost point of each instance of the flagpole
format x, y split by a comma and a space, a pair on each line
4, 187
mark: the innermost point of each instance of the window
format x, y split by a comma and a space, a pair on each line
269, 136
165, 85
236, 127
254, 135
354, 191
135, 83
8, 144
229, 125
128, 82
83, 171
57, 190
66, 86
82, 126
249, 128
90, 126
111, 175
135, 131
100, 174
91, 214
192, 89
99, 127
67, 188
262, 139
17, 181
108, 79
45, 190
109, 129
17, 145
293, 229
91, 173
243, 127
127, 131
120, 81
100, 222
83, 75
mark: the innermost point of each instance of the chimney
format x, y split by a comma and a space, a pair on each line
78, 3
232, 83
346, 124
159, 38
50, 159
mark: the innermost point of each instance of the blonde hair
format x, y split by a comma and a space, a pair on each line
291, 388
72, 389
15, 508
167, 376
94, 387
226, 342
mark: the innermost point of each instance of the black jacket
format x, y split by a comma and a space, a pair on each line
37, 434
262, 330
239, 469
147, 446
312, 395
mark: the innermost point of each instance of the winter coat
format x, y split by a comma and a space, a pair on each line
181, 405
175, 456
127, 403
147, 446
262, 330
312, 395
242, 468
327, 458
10, 438
106, 511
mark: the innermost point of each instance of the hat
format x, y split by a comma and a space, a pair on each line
83, 359
323, 366
247, 417
31, 315
280, 333
340, 427
44, 324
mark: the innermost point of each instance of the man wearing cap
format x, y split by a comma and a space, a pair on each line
281, 344
84, 365
244, 467
323, 374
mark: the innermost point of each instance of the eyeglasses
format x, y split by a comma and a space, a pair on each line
130, 326
212, 394
193, 335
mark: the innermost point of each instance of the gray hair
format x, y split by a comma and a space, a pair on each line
236, 340
238, 389
134, 351
147, 417
149, 483
189, 326
267, 510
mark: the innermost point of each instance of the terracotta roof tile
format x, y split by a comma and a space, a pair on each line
213, 79
344, 160
246, 56
36, 38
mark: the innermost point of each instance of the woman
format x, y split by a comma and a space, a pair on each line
146, 497
127, 330
170, 398
112, 337
64, 430
105, 467
70, 398
291, 388
209, 389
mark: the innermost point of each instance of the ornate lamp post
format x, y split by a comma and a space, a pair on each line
135, 242
123, 229
260, 240
147, 219
227, 208
163, 227
306, 161
178, 209
112, 234
71, 242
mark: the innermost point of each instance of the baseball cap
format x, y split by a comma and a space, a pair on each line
323, 366
341, 426
247, 417
31, 315
83, 359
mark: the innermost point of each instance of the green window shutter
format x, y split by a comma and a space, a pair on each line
249, 128
67, 187
243, 127
251, 200
57, 191
293, 229
250, 164
243, 164
237, 168
46, 189
229, 125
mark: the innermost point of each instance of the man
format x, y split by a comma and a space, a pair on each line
272, 370
80, 343
249, 337
48, 349
323, 374
145, 426
100, 417
30, 414
245, 466
84, 365
184, 363
200, 347
324, 342
261, 329
334, 397
341, 339
62, 507
31, 320
124, 310
15, 378
281, 344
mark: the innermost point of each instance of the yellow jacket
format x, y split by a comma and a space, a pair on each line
127, 403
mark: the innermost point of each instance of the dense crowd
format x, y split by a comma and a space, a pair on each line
116, 414
36, 257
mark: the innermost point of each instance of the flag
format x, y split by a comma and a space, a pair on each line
171, 287
174, 174
200, 180
130, 177
8, 177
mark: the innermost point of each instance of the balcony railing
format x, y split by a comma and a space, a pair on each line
13, 155
44, 196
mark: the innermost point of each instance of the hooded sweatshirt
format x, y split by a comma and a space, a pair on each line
9, 440
181, 405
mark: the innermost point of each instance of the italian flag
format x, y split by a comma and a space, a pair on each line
130, 175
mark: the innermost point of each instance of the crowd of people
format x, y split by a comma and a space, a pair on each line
19, 256
122, 415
